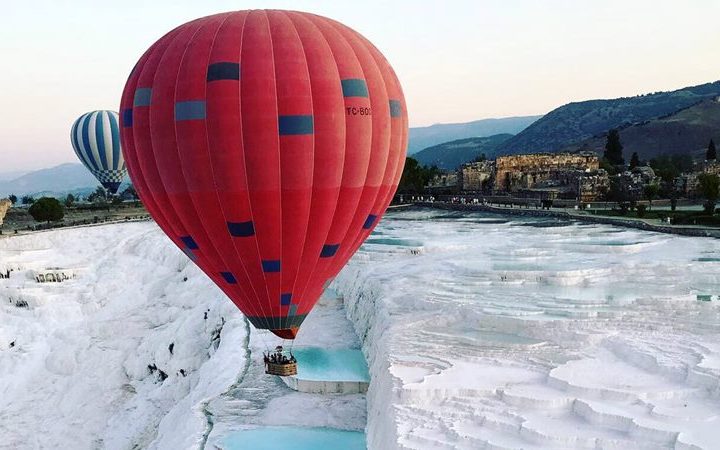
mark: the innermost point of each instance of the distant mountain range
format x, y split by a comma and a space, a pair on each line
681, 121
423, 137
578, 122
450, 155
56, 181
687, 131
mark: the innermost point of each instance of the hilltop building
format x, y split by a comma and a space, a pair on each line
476, 176
539, 175
443, 183
521, 172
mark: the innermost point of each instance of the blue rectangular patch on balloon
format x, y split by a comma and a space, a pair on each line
369, 221
228, 277
354, 87
142, 97
223, 71
189, 242
127, 117
329, 250
395, 108
270, 265
190, 110
285, 299
241, 229
294, 125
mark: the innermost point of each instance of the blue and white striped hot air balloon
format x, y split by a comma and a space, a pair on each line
95, 137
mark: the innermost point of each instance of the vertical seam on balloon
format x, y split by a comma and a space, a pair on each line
176, 224
148, 198
350, 244
84, 124
92, 140
351, 248
257, 304
113, 148
107, 135
338, 29
114, 139
279, 168
265, 320
312, 171
319, 29
380, 203
213, 268
391, 166
105, 147
399, 160
141, 187
251, 305
79, 147
222, 259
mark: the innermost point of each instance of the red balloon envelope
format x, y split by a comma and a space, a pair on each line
266, 145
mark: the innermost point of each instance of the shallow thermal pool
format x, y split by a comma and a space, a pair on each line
319, 364
273, 438
537, 334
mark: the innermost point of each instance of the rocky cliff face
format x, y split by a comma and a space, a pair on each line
4, 206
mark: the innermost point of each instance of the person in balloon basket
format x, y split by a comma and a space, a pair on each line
278, 357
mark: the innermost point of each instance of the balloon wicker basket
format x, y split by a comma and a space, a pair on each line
280, 362
281, 370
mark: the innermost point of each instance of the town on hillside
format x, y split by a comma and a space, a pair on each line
580, 180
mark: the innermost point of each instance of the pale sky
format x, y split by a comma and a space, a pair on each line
457, 60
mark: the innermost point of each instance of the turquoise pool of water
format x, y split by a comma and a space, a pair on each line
319, 364
295, 438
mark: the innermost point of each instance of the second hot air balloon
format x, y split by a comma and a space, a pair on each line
95, 137
266, 145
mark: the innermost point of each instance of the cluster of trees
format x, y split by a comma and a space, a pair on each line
25, 200
415, 177
669, 167
47, 209
50, 209
710, 190
666, 167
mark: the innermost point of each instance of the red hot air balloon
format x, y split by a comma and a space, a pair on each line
266, 145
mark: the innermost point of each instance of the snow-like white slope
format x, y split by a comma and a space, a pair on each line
84, 368
490, 333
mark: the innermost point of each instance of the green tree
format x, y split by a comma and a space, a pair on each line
711, 154
621, 192
613, 148
13, 198
651, 191
640, 210
27, 200
99, 196
710, 189
669, 167
47, 209
415, 177
69, 200
607, 167
634, 161
129, 193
